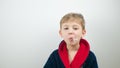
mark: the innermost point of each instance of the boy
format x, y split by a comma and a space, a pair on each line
73, 51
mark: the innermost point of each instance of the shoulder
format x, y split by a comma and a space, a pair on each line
92, 55
54, 61
91, 61
51, 62
54, 53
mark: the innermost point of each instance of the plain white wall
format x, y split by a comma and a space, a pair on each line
29, 30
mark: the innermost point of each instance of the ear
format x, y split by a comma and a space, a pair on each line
60, 33
83, 33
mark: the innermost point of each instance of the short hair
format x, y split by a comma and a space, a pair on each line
73, 17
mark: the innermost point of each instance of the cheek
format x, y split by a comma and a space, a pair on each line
78, 34
63, 35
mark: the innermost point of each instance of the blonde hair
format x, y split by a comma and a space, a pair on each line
73, 17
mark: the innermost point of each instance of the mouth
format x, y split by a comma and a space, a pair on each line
73, 39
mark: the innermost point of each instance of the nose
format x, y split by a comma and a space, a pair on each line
70, 31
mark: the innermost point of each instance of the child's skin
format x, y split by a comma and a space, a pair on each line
72, 32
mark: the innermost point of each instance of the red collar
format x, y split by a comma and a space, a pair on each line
79, 58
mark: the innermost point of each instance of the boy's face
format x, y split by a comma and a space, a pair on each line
71, 32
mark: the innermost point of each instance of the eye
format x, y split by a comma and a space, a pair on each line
75, 28
66, 28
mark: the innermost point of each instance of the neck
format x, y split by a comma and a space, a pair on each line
73, 47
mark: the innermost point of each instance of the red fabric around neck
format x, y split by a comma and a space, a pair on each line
79, 58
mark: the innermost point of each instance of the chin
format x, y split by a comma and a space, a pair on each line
72, 43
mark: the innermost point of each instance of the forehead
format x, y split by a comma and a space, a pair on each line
71, 24
70, 20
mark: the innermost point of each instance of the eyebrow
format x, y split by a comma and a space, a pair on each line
75, 25
72, 26
65, 25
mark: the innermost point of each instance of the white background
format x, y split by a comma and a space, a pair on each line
29, 30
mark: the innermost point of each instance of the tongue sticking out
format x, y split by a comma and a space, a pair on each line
73, 39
